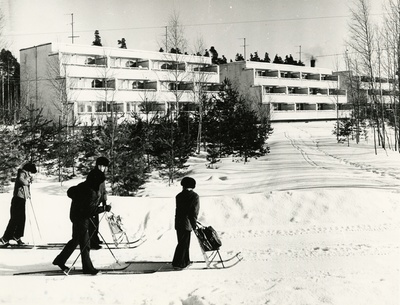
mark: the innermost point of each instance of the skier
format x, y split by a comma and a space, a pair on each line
16, 226
101, 165
186, 212
84, 205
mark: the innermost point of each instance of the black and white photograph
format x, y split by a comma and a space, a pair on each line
187, 152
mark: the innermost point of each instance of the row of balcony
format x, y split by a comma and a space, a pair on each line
308, 107
129, 84
302, 91
295, 75
169, 64
99, 108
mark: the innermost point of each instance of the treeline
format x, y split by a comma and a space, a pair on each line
144, 144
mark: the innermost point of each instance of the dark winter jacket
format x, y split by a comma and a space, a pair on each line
85, 198
102, 187
21, 186
187, 210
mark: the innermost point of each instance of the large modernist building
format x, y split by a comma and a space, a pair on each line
87, 83
290, 92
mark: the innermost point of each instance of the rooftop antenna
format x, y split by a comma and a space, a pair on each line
244, 47
299, 53
72, 28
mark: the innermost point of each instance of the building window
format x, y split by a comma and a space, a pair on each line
97, 61
106, 106
101, 107
138, 84
130, 63
85, 107
130, 107
102, 83
188, 107
150, 106
90, 61
173, 86
81, 107
123, 84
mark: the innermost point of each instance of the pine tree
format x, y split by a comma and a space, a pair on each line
61, 153
248, 137
90, 147
34, 135
173, 144
10, 156
97, 39
122, 43
225, 136
344, 130
130, 167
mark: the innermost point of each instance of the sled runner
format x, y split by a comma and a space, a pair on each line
123, 245
117, 230
210, 242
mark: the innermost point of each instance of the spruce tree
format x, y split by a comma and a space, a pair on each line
34, 135
90, 147
173, 144
10, 156
97, 39
130, 166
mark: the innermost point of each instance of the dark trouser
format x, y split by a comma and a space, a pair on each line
16, 225
94, 230
80, 236
181, 257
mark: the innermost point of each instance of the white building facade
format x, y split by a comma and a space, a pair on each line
87, 83
290, 92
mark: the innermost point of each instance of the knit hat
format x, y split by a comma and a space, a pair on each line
188, 183
102, 161
30, 167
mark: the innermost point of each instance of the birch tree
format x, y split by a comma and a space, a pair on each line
363, 43
391, 34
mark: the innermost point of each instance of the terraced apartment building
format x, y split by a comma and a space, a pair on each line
86, 84
290, 92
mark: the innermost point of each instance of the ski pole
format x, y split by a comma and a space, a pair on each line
79, 254
108, 247
85, 246
30, 225
34, 216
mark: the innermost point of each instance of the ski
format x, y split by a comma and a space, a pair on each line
17, 247
126, 245
56, 272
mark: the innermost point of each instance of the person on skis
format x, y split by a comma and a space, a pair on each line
186, 213
16, 225
84, 205
101, 166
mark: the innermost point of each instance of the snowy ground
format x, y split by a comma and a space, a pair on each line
317, 223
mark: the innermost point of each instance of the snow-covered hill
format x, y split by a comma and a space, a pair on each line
317, 223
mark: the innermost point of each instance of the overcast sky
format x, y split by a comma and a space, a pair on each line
298, 27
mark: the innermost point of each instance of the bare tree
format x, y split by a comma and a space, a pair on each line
63, 101
363, 43
175, 46
391, 32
